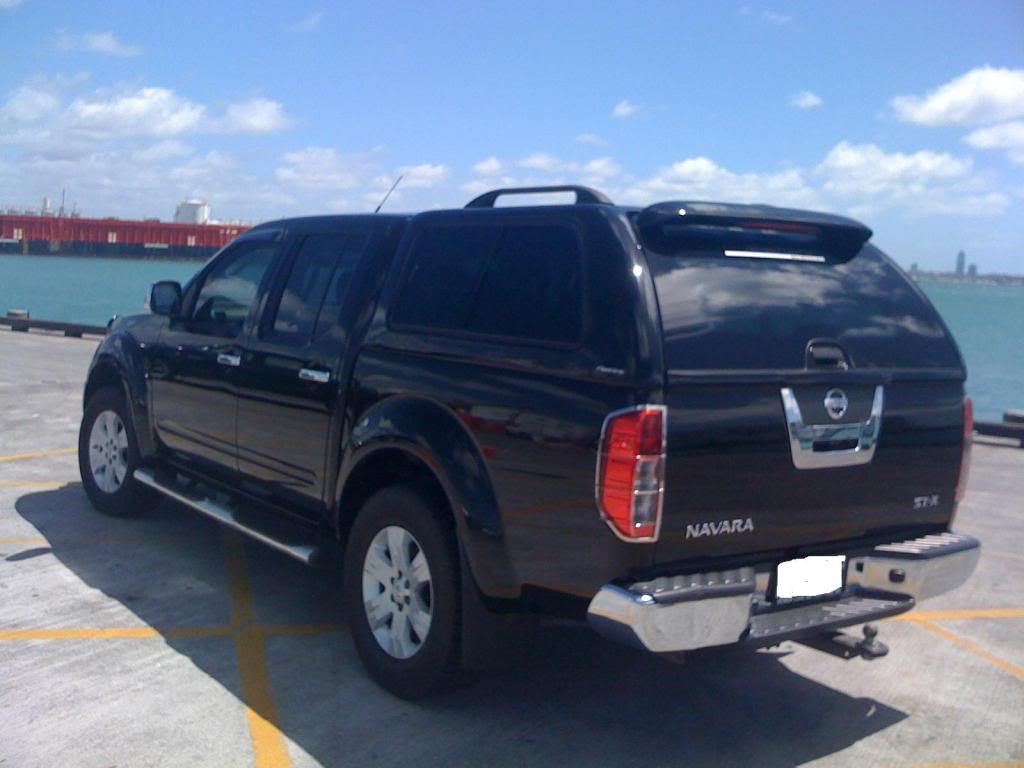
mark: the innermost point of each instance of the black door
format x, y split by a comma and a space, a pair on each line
288, 382
193, 368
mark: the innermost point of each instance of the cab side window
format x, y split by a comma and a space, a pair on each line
313, 295
229, 290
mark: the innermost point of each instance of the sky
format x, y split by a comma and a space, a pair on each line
906, 115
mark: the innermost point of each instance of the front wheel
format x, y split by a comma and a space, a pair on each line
108, 454
401, 592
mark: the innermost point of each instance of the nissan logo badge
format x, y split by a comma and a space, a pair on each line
836, 404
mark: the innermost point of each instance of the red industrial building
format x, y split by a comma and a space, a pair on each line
22, 233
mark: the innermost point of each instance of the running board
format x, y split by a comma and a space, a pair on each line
223, 508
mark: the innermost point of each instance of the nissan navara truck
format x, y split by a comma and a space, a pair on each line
692, 424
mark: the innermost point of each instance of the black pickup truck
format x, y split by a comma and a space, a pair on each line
694, 424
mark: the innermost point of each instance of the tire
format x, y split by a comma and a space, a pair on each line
411, 647
108, 454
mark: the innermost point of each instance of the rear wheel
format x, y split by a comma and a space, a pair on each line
108, 454
401, 592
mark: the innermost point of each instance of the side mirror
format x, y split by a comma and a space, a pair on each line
165, 298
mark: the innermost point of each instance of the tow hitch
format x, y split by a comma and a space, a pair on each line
848, 646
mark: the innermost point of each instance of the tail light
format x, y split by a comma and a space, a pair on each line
965, 457
631, 472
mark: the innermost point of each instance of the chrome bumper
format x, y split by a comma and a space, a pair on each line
684, 613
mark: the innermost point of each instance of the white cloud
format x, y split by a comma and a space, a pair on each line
541, 161
148, 111
254, 116
772, 17
308, 23
700, 178
983, 95
600, 169
490, 166
921, 183
805, 100
1008, 136
320, 168
97, 42
591, 139
1004, 136
161, 151
423, 176
625, 108
30, 103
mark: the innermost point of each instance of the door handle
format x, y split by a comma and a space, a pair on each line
311, 374
233, 360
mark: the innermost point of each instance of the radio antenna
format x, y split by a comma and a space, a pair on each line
377, 209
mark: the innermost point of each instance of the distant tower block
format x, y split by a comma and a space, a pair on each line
972, 271
961, 261
192, 212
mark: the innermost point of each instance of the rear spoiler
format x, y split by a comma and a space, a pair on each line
752, 231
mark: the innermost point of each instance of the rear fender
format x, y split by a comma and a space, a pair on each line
431, 434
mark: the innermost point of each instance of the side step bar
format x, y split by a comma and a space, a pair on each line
225, 510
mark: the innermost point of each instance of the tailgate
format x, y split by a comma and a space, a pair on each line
763, 309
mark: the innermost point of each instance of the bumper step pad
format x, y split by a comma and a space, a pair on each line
800, 621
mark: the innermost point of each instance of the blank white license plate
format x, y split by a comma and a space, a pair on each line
809, 576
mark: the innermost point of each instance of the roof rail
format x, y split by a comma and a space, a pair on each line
583, 195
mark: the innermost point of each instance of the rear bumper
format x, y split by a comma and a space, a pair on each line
726, 607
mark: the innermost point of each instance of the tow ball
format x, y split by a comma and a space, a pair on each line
848, 646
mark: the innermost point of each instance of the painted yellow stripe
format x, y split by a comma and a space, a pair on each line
268, 743
23, 540
33, 483
298, 629
110, 633
37, 454
965, 613
973, 647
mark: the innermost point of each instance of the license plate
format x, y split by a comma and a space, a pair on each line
809, 576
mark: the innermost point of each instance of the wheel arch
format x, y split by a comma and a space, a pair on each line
118, 363
415, 440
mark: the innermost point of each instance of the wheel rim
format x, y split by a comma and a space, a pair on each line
108, 452
398, 596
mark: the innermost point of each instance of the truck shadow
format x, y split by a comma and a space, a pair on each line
580, 700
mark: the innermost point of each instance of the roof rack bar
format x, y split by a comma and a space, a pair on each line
583, 195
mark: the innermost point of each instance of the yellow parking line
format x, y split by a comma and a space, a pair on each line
970, 645
23, 540
34, 483
965, 613
111, 633
37, 454
298, 629
268, 744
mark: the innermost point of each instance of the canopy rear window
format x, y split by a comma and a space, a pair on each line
752, 313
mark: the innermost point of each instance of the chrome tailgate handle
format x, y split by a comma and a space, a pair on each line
314, 375
231, 360
810, 443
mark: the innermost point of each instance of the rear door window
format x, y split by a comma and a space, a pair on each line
522, 283
312, 297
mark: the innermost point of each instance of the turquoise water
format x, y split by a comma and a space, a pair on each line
987, 320
83, 290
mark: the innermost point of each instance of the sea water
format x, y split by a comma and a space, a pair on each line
987, 320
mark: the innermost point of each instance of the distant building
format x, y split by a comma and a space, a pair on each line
972, 271
192, 212
961, 261
913, 268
